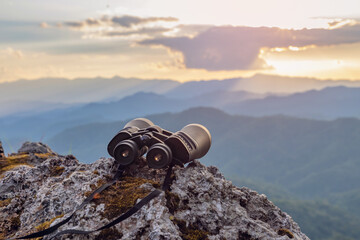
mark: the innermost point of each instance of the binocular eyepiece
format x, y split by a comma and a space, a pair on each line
140, 136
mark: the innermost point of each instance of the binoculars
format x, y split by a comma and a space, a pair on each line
140, 136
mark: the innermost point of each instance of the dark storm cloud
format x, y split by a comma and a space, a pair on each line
238, 48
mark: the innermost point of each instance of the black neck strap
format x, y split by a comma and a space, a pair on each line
130, 212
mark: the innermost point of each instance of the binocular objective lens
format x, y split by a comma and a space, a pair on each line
126, 152
159, 156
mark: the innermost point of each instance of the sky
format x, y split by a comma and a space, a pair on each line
181, 40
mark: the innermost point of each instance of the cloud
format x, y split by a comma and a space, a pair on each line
10, 52
90, 22
121, 26
239, 48
125, 21
133, 27
189, 30
129, 21
338, 23
141, 31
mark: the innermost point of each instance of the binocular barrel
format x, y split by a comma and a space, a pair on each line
126, 151
140, 136
191, 142
127, 132
159, 156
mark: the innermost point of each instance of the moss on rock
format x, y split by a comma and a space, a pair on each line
47, 224
9, 227
110, 234
287, 232
56, 171
121, 196
4, 203
15, 223
190, 231
44, 155
13, 161
172, 201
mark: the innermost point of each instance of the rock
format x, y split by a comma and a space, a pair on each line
34, 147
201, 203
2, 153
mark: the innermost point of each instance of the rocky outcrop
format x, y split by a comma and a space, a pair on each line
34, 147
2, 153
201, 203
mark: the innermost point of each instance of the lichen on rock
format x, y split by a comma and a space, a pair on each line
200, 204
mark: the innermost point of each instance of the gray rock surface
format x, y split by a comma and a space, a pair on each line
34, 147
202, 204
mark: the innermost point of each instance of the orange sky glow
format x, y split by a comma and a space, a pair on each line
179, 40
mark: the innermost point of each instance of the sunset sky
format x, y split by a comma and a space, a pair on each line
181, 40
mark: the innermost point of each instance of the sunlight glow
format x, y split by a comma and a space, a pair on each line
322, 69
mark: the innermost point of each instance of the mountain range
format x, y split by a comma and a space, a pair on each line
34, 96
72, 92
326, 104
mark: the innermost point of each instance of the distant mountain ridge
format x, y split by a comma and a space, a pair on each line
81, 90
260, 83
57, 91
139, 104
64, 91
328, 103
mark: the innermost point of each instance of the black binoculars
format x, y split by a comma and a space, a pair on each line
140, 136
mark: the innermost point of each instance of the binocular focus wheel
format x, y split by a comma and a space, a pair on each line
126, 152
159, 156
